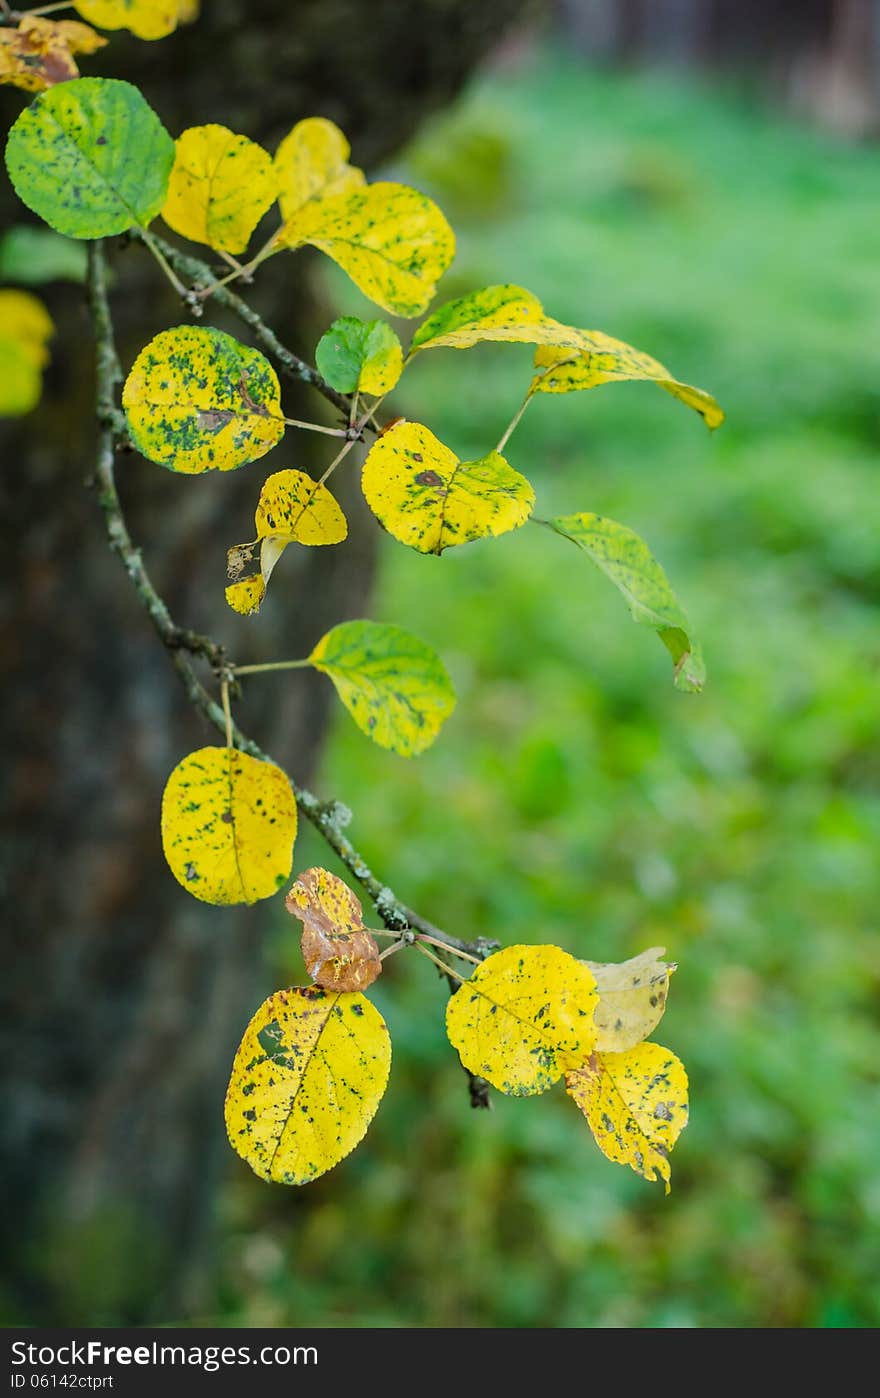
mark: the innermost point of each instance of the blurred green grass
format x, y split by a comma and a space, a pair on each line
575, 797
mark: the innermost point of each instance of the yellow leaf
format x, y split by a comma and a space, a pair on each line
148, 19
292, 508
601, 359
307, 1079
339, 952
198, 400
25, 326
39, 52
523, 1018
506, 313
393, 242
297, 509
312, 163
427, 498
636, 1104
245, 596
228, 826
221, 184
188, 11
632, 999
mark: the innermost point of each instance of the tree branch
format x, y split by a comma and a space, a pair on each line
330, 818
200, 275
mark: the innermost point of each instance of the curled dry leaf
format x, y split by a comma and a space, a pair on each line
39, 52
632, 998
338, 951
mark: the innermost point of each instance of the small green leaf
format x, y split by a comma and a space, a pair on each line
629, 563
90, 157
394, 686
363, 356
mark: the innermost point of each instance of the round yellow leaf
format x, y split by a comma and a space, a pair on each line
636, 1104
198, 400
312, 163
307, 1078
148, 19
220, 186
428, 498
228, 826
523, 1018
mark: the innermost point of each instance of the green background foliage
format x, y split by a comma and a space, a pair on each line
576, 798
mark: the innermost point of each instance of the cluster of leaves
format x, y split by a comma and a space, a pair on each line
314, 1061
92, 159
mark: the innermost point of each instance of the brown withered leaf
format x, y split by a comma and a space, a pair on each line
39, 52
339, 952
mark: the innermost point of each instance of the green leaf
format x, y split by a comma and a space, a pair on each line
629, 563
363, 356
198, 400
32, 255
90, 157
394, 686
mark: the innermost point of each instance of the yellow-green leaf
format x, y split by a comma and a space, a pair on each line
198, 400
629, 563
228, 826
394, 686
312, 163
39, 52
25, 327
148, 19
503, 313
636, 1104
357, 356
426, 497
307, 1078
246, 595
523, 1018
632, 999
221, 185
393, 242
601, 359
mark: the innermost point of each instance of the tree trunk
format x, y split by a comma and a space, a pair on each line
124, 997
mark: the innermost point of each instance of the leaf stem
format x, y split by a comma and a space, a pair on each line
447, 970
227, 708
514, 422
316, 427
444, 946
150, 242
271, 665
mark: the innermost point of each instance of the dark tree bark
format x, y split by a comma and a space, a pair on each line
124, 999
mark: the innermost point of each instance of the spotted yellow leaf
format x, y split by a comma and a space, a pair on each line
221, 184
246, 595
292, 508
393, 242
228, 826
636, 1104
339, 952
307, 1078
148, 19
426, 497
311, 163
632, 999
567, 357
394, 686
25, 328
198, 400
40, 52
503, 313
523, 1018
601, 359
